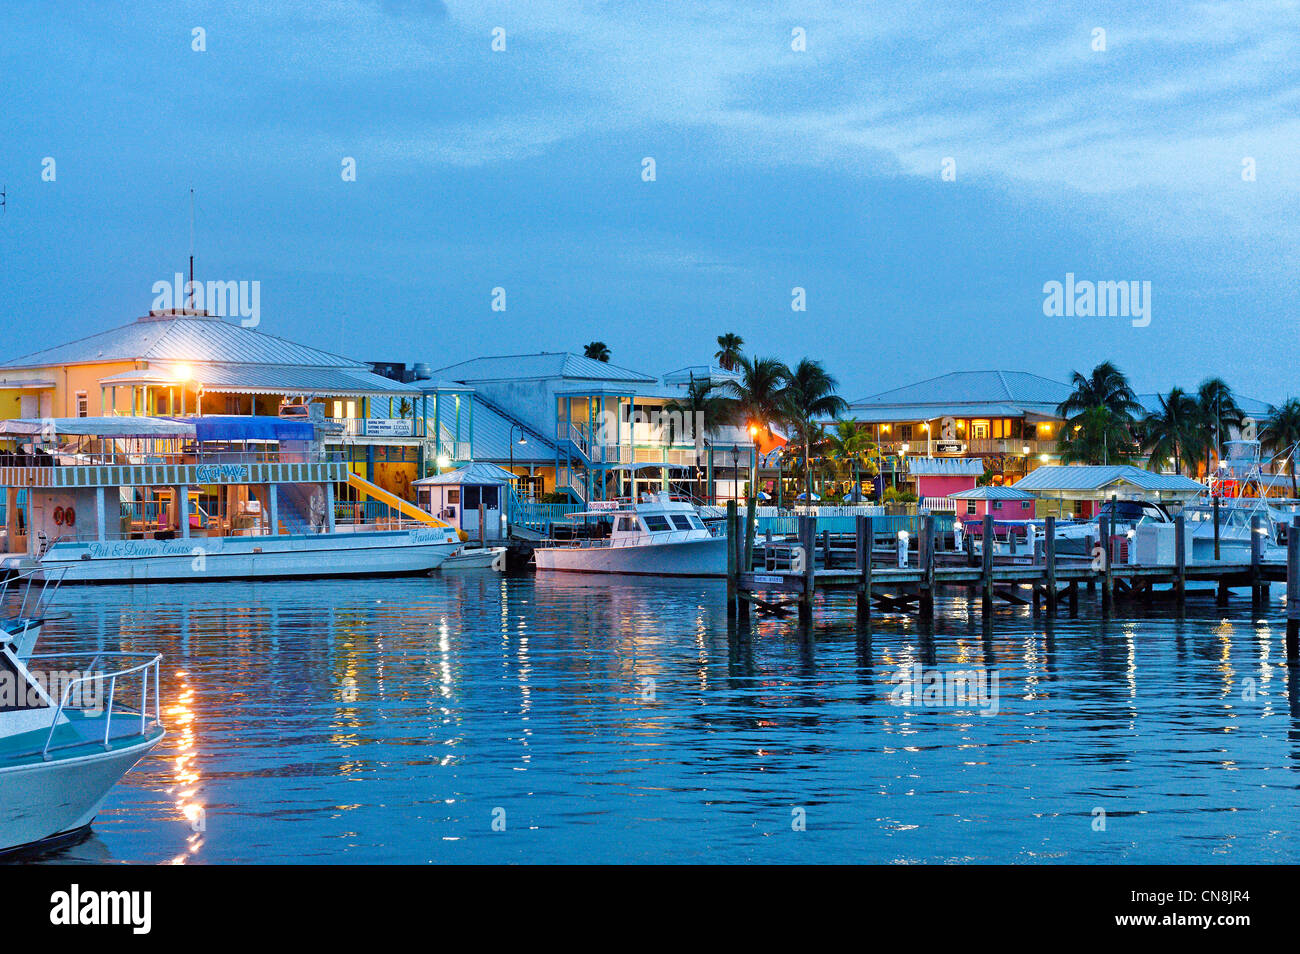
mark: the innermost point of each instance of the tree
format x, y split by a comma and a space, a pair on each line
1219, 412
850, 447
728, 353
701, 404
596, 349
1105, 388
755, 400
1173, 431
1282, 433
1097, 435
809, 396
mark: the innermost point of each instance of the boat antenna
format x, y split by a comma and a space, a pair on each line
191, 247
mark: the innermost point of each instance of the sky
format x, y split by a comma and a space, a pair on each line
795, 145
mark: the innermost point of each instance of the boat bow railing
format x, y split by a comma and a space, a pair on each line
146, 666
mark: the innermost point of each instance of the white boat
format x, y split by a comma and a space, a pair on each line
653, 536
153, 500
476, 558
61, 751
279, 556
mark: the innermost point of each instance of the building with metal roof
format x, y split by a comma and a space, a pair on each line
614, 431
1080, 489
1005, 419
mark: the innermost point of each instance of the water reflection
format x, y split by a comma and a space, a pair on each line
392, 720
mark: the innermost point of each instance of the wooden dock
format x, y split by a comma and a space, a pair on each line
1035, 578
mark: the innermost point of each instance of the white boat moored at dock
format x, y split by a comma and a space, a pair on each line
656, 535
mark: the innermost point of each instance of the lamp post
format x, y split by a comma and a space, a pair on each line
522, 441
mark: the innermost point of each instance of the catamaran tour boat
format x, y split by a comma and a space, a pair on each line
655, 535
71, 726
137, 499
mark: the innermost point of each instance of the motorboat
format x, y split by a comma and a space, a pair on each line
71, 726
654, 535
476, 558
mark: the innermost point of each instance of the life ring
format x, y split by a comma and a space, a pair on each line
58, 516
69, 516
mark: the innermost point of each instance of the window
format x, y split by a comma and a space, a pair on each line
627, 524
656, 522
83, 404
979, 430
453, 496
970, 508
997, 505
471, 498
490, 497
681, 522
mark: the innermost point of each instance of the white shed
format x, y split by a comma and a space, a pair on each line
460, 496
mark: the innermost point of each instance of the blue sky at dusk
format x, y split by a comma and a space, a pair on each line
775, 168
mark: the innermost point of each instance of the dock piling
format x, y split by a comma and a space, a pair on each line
862, 562
1107, 580
986, 570
926, 555
1180, 562
733, 567
1049, 553
1256, 552
1293, 592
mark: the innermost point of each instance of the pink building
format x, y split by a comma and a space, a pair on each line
1005, 503
943, 476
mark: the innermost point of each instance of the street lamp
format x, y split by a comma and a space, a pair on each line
522, 440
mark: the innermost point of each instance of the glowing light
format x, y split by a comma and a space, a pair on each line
444, 460
184, 373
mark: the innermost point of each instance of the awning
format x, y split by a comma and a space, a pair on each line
97, 427
249, 428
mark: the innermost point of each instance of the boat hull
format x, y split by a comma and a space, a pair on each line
385, 553
477, 558
40, 801
706, 557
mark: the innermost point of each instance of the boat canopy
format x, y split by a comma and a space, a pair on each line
97, 427
234, 428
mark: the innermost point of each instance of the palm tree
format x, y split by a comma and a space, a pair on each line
596, 349
809, 396
1098, 434
1174, 430
1106, 387
1282, 433
1219, 412
728, 353
703, 404
756, 399
850, 446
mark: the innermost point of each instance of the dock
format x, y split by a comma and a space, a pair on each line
900, 580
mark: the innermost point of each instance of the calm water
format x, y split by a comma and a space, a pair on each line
369, 721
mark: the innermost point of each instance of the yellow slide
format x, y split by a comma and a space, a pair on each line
366, 489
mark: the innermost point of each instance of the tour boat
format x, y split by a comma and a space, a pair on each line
148, 500
71, 726
655, 535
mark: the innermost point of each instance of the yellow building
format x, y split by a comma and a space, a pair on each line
180, 362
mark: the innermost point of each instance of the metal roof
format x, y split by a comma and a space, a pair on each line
976, 387
1090, 477
270, 379
991, 493
476, 473
894, 413
495, 433
700, 372
560, 364
184, 339
945, 466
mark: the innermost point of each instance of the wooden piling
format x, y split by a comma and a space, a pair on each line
986, 570
1293, 592
1256, 552
1216, 528
808, 540
751, 518
1107, 580
925, 604
862, 562
1049, 551
826, 549
733, 566
1180, 562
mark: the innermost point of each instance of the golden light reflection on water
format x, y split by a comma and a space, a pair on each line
180, 720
